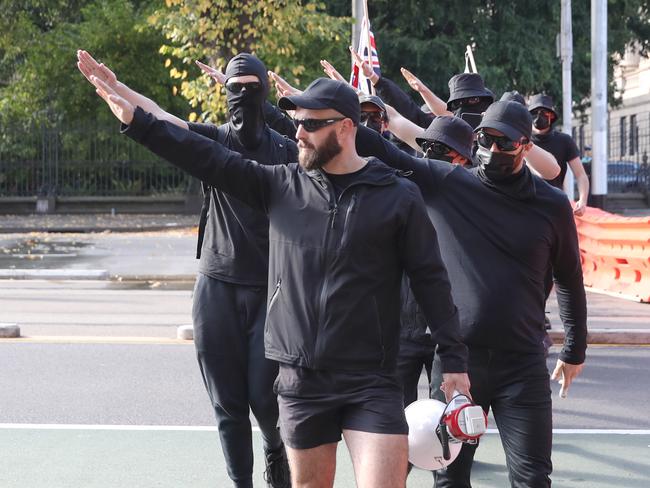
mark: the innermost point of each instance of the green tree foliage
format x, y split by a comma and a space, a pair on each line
39, 80
290, 36
513, 41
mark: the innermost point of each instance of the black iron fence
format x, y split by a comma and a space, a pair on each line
82, 161
628, 163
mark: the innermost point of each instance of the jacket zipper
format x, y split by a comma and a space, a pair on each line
275, 295
351, 209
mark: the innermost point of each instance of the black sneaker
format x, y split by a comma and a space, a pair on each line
277, 473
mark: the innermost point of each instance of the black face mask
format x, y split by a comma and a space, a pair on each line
374, 125
541, 122
472, 113
247, 116
429, 154
496, 166
246, 108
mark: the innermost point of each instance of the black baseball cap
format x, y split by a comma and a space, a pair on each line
467, 85
511, 118
540, 100
374, 99
513, 96
325, 93
454, 132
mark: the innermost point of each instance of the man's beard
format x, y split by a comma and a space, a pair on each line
311, 157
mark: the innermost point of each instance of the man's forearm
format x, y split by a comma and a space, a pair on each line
203, 158
138, 100
438, 107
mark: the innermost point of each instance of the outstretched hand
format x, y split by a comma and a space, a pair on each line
89, 67
368, 72
121, 108
331, 71
282, 86
213, 73
413, 81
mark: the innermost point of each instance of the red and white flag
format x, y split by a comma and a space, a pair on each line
358, 80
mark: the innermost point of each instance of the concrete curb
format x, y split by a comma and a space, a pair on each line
629, 337
54, 274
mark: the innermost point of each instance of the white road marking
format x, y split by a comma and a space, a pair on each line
208, 428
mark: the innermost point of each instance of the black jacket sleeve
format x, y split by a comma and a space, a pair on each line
206, 159
430, 284
393, 95
425, 173
279, 121
569, 287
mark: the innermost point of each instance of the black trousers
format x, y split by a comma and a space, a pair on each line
517, 388
229, 339
411, 359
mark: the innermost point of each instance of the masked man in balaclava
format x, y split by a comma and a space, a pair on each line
230, 294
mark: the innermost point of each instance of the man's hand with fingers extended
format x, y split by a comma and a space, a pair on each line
122, 109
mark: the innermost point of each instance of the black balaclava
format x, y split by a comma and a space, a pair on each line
246, 108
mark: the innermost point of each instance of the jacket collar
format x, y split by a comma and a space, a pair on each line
377, 173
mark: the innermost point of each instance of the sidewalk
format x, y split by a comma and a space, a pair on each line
162, 248
83, 223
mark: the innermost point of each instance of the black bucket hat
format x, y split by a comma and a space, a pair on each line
513, 96
454, 132
540, 100
467, 85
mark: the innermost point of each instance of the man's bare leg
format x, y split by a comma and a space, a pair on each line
312, 468
379, 460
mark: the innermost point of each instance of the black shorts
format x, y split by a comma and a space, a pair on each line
315, 406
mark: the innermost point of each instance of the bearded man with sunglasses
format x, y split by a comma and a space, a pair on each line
342, 230
500, 228
229, 299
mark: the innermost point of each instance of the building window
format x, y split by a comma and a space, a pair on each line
634, 136
622, 137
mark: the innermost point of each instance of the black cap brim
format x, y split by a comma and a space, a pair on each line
510, 132
294, 101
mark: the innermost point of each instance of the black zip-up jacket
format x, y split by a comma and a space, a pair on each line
335, 264
497, 250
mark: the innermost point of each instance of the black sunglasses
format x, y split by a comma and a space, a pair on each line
435, 148
312, 125
463, 102
374, 116
236, 87
503, 143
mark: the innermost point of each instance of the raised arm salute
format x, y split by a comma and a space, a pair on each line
229, 299
342, 231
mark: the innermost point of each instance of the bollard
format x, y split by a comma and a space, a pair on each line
8, 331
185, 332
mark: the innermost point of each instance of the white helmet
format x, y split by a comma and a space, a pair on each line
434, 426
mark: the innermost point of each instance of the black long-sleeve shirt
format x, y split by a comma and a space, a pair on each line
393, 95
497, 250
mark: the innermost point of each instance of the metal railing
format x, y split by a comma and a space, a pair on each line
628, 162
82, 161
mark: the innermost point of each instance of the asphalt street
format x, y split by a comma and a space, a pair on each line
99, 392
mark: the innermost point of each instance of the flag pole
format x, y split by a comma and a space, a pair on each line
365, 14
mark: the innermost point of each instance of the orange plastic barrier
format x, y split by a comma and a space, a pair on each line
615, 253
